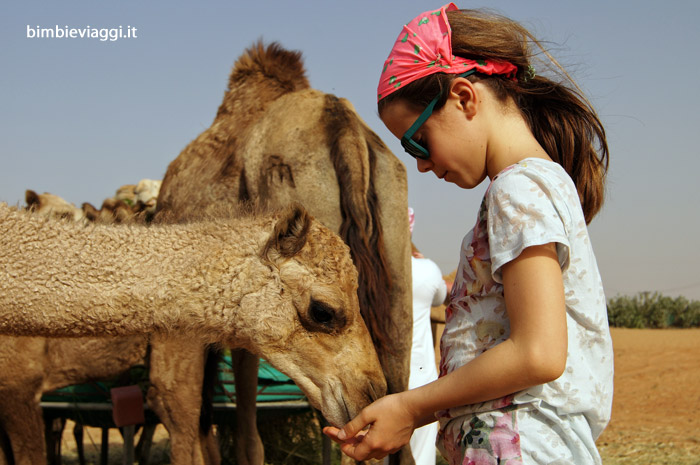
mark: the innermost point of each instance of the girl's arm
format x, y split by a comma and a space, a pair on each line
534, 353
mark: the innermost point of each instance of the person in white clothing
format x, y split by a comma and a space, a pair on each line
429, 290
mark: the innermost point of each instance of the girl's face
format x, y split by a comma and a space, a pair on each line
453, 137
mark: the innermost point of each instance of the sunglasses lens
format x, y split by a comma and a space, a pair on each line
414, 149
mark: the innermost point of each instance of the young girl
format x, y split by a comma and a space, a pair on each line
526, 365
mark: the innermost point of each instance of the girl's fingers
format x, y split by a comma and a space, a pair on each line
357, 450
355, 425
332, 432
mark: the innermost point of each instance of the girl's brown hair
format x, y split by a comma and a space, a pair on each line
561, 118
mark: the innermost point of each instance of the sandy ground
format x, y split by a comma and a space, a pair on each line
657, 398
654, 419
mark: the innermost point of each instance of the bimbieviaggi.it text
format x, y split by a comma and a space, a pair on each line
88, 32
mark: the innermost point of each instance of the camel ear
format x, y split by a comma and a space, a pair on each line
91, 213
289, 235
32, 199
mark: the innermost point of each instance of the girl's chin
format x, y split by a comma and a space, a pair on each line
464, 184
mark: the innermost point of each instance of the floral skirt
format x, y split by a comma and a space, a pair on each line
518, 435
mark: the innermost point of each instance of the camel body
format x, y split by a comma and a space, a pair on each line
275, 140
280, 286
30, 366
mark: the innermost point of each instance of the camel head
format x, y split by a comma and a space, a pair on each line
52, 206
315, 333
146, 193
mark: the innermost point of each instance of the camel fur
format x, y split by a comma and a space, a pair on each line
169, 379
31, 366
275, 140
283, 287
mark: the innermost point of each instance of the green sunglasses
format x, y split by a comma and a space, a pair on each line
413, 148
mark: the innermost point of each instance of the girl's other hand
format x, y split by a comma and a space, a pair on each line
380, 429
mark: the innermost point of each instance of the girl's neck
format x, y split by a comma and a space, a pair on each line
511, 140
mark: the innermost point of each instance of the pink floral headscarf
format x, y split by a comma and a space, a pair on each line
424, 47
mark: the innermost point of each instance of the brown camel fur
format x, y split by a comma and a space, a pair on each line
281, 286
274, 140
54, 206
31, 366
168, 378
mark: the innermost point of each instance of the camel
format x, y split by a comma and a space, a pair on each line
131, 202
275, 140
142, 196
53, 205
166, 375
30, 366
279, 285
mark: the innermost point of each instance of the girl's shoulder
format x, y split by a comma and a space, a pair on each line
534, 167
535, 176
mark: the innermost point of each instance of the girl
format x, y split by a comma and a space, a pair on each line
526, 356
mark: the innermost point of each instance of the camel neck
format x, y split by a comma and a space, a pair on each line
62, 279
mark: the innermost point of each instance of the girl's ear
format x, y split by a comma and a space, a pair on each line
464, 93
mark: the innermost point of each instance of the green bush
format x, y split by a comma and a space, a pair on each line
653, 310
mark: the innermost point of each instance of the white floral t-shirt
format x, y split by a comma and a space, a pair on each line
531, 203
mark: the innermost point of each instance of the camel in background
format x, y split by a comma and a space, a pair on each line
275, 140
130, 203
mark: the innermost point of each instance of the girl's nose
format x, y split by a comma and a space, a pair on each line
423, 165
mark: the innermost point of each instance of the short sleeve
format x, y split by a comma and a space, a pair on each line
524, 210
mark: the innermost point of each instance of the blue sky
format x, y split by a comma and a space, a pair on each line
81, 117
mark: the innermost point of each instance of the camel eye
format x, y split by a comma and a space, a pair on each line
321, 317
321, 313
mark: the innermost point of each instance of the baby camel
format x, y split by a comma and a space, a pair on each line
279, 285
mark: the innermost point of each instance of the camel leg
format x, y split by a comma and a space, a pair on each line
104, 447
143, 448
175, 395
78, 435
249, 450
22, 420
5, 449
210, 449
53, 432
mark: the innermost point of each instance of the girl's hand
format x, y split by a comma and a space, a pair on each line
390, 427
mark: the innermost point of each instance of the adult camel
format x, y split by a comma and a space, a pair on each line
275, 140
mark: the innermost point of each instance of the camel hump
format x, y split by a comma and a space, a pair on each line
262, 74
290, 233
270, 63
